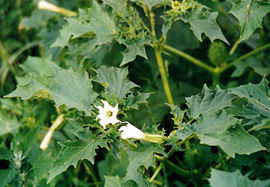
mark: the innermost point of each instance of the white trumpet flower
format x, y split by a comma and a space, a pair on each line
107, 114
130, 131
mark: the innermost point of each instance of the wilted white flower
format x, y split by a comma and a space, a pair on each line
130, 131
44, 5
46, 140
107, 114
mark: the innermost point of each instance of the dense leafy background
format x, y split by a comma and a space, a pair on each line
213, 54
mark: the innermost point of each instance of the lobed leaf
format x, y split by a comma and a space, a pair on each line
208, 101
133, 48
205, 22
65, 87
142, 156
234, 179
73, 151
257, 96
115, 80
222, 130
250, 14
102, 26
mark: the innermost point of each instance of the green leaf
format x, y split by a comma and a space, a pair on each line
112, 166
255, 63
115, 80
38, 19
222, 130
66, 87
113, 181
202, 21
134, 101
208, 101
152, 3
257, 96
181, 37
74, 28
119, 7
82, 46
142, 156
88, 23
116, 169
7, 124
73, 151
133, 48
250, 14
36, 65
234, 179
42, 165
264, 124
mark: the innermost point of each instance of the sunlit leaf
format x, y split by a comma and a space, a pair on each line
65, 87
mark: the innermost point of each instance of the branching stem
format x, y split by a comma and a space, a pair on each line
218, 70
253, 52
160, 63
190, 58
169, 154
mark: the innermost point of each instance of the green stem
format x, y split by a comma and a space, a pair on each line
156, 172
160, 63
169, 154
178, 170
5, 57
164, 78
157, 182
215, 79
235, 45
172, 150
15, 55
253, 52
89, 172
190, 58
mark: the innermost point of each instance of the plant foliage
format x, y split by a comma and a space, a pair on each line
181, 89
